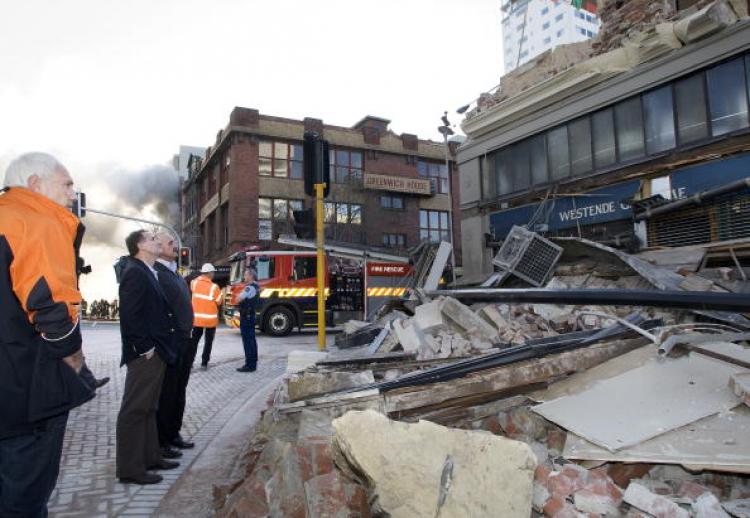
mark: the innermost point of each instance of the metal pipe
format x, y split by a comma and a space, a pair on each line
676, 299
695, 199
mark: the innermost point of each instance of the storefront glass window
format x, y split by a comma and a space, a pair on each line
727, 97
580, 146
605, 152
690, 100
659, 119
629, 129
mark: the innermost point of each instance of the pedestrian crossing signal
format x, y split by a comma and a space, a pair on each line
185, 257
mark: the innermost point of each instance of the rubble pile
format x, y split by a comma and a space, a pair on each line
453, 409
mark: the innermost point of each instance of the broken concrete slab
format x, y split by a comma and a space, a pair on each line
494, 317
720, 443
409, 336
708, 506
650, 400
427, 470
310, 384
640, 497
740, 385
467, 320
428, 317
738, 508
300, 360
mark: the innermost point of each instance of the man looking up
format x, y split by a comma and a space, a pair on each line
40, 337
206, 302
173, 389
147, 327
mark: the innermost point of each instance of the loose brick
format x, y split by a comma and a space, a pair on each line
622, 474
324, 496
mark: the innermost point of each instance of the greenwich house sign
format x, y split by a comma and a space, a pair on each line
381, 182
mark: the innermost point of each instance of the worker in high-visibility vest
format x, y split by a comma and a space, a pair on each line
206, 297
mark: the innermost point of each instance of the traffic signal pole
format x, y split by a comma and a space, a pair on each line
321, 273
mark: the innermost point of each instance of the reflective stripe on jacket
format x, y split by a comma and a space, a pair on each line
206, 300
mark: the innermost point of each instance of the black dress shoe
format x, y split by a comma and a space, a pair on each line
164, 464
145, 479
179, 442
245, 368
99, 383
170, 453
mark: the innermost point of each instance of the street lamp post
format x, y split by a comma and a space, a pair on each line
446, 131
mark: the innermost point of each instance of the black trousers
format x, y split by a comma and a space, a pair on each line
173, 392
137, 434
29, 465
210, 333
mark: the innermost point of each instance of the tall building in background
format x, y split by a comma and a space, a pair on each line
531, 27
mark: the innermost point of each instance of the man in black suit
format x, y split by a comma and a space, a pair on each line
147, 326
173, 389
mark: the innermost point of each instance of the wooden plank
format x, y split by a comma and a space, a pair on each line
522, 374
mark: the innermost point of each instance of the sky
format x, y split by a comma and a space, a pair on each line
113, 88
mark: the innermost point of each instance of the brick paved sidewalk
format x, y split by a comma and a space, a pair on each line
87, 485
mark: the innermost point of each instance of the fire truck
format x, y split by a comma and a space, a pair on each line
356, 284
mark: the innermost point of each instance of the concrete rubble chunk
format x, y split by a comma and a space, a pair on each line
494, 317
467, 320
738, 508
408, 335
740, 385
309, 384
300, 360
705, 22
658, 506
427, 470
708, 506
428, 317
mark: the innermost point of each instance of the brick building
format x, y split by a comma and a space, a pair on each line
587, 140
388, 191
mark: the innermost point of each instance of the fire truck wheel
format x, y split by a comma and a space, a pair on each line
279, 321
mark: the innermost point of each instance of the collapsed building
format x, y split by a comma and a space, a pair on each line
614, 139
621, 388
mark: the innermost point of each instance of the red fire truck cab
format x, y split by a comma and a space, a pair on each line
289, 291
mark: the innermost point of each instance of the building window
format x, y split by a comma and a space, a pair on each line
345, 165
690, 100
343, 213
559, 17
727, 97
629, 129
547, 40
581, 30
433, 225
659, 120
545, 11
278, 209
580, 15
388, 201
280, 159
605, 152
394, 240
560, 33
524, 54
503, 178
545, 26
559, 157
580, 146
436, 171
538, 159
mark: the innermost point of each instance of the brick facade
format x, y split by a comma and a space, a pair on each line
227, 184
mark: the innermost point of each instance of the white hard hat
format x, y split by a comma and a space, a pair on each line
207, 268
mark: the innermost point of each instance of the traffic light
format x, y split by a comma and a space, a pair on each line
79, 204
316, 165
304, 223
185, 259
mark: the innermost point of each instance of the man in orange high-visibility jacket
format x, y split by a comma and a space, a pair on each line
206, 297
